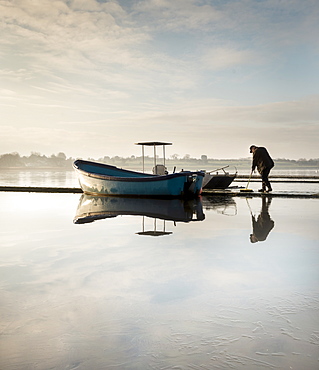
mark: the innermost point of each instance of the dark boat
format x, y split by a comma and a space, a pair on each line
214, 180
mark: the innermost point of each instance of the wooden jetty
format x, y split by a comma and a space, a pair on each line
275, 194
41, 189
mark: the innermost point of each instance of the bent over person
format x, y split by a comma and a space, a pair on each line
264, 163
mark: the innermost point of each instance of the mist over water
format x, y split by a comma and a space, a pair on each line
35, 177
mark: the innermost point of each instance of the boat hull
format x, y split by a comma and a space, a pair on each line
217, 181
102, 179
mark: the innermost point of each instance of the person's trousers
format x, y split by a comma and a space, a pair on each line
264, 178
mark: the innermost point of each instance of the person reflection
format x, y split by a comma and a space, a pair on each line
264, 224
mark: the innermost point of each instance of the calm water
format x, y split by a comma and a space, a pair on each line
110, 294
36, 177
63, 178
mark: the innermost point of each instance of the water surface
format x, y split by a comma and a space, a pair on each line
99, 295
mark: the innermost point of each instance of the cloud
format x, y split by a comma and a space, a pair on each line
225, 58
204, 112
106, 39
86, 33
178, 15
17, 75
185, 70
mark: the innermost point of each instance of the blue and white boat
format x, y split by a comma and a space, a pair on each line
102, 179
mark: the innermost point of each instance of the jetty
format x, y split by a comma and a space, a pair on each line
39, 189
235, 192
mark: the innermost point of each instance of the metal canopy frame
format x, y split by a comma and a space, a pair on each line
154, 144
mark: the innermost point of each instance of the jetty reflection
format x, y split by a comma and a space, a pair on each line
92, 208
263, 224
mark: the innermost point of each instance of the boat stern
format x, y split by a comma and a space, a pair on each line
193, 186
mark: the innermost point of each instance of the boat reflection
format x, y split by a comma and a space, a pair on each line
92, 208
225, 205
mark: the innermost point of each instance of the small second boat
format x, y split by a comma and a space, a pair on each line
215, 180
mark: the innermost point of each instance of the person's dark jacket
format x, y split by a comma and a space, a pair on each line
262, 160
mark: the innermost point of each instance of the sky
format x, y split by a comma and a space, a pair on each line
92, 77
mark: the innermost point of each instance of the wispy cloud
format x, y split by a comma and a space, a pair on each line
17, 75
179, 15
225, 58
191, 69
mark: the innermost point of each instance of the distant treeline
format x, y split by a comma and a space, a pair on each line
34, 160
60, 160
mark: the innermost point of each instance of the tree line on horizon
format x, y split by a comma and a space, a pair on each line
60, 160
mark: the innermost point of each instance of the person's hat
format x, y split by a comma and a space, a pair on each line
252, 146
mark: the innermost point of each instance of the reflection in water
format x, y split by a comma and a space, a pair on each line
155, 231
100, 297
225, 205
92, 208
263, 224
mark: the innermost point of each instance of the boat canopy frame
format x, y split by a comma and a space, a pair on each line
154, 144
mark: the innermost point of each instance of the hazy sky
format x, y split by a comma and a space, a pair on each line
92, 77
